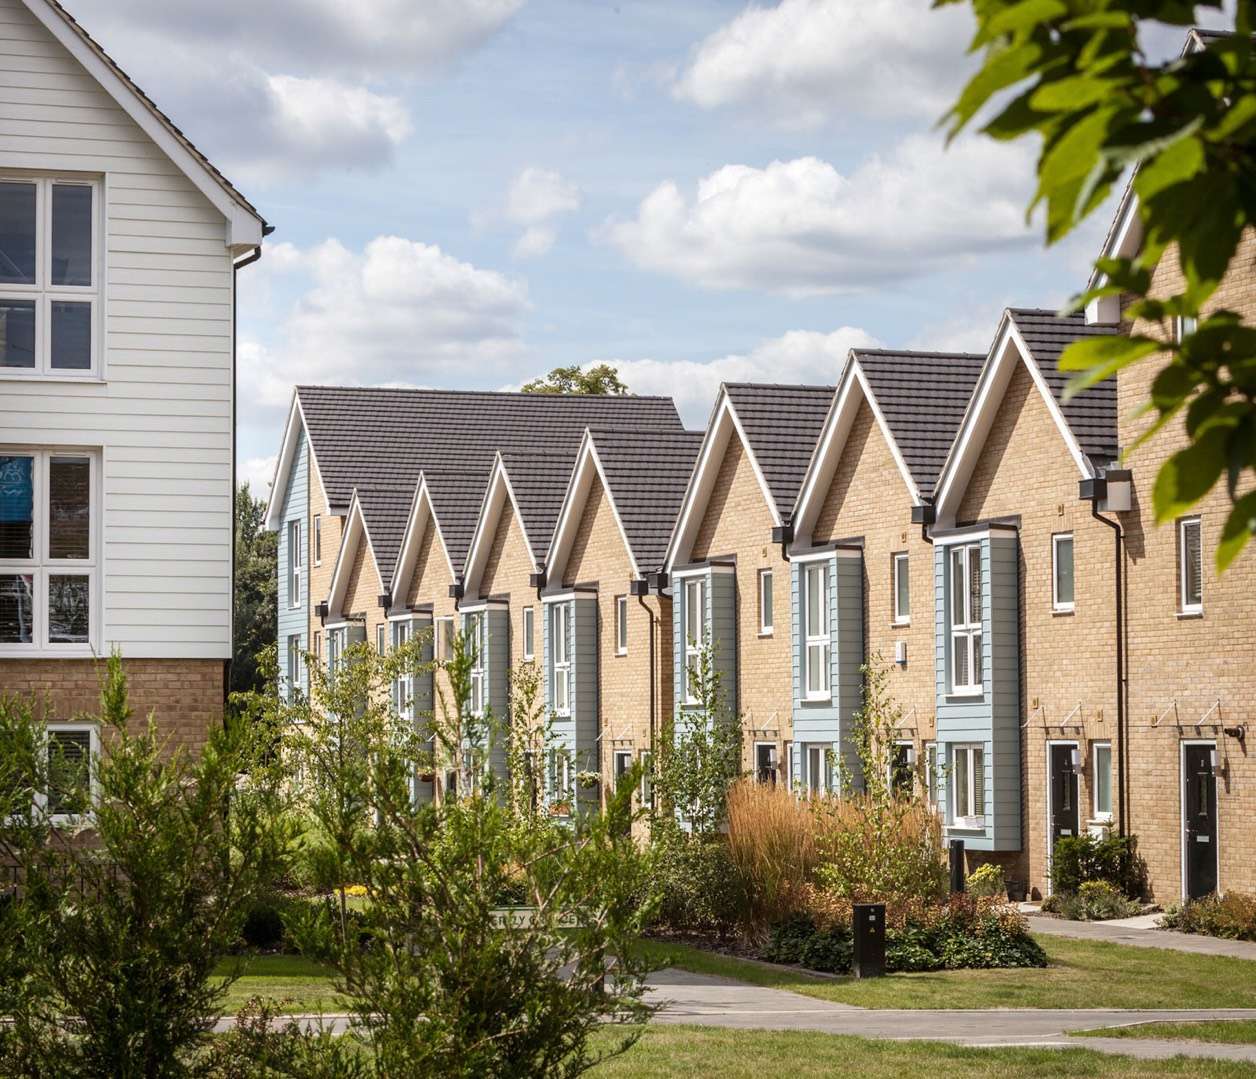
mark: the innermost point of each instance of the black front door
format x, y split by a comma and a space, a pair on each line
1063, 782
1199, 819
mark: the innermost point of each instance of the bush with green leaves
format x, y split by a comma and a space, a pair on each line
700, 889
1115, 859
1232, 916
987, 880
1094, 901
126, 901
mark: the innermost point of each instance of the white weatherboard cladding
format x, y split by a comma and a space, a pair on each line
295, 621
162, 413
993, 719
832, 721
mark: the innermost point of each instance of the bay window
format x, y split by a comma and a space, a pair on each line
695, 636
967, 673
816, 618
337, 646
48, 540
49, 280
968, 784
560, 650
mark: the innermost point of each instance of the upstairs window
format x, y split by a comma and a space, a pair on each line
294, 563
529, 633
318, 540
967, 672
695, 635
48, 539
560, 648
816, 626
621, 625
765, 602
476, 641
49, 287
444, 639
1062, 572
902, 590
403, 683
337, 646
1190, 566
294, 665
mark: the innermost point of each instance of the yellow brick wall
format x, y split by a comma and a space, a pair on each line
738, 522
505, 576
362, 592
321, 571
1179, 668
599, 556
1068, 660
868, 499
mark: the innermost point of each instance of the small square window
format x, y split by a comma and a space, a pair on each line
765, 602
1062, 572
902, 589
621, 625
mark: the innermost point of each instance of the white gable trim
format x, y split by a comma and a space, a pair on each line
355, 531
852, 388
422, 515
495, 496
293, 430
588, 462
723, 424
244, 225
1009, 348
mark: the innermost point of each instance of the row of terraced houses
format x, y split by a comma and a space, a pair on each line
1062, 664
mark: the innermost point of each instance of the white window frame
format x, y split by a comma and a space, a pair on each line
401, 631
560, 778
966, 632
317, 528
824, 782
900, 563
818, 641
529, 632
44, 293
561, 615
621, 625
42, 566
337, 645
443, 638
910, 746
960, 815
695, 592
294, 664
476, 629
618, 756
1100, 814
41, 797
1058, 605
767, 612
381, 639
646, 757
295, 564
787, 756
774, 761
1185, 605
1183, 325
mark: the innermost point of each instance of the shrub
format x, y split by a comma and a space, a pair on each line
867, 853
771, 843
987, 880
263, 929
1081, 858
1232, 916
701, 890
1095, 901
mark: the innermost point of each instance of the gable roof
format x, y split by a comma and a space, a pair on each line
386, 509
246, 226
1087, 423
356, 531
644, 475
538, 482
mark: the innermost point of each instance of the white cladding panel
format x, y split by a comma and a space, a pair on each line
161, 413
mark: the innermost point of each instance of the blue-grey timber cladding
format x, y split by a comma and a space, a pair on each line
720, 619
993, 719
496, 664
295, 621
575, 734
832, 722
424, 693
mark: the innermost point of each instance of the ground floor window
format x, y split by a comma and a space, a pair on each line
621, 765
765, 764
968, 786
931, 775
817, 767
72, 751
647, 777
902, 767
1101, 781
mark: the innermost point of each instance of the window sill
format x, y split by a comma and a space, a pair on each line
967, 694
826, 699
47, 652
900, 623
38, 379
619, 654
1185, 616
968, 824
1063, 610
766, 633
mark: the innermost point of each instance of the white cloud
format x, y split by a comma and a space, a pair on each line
535, 198
258, 473
799, 356
807, 61
399, 312
534, 242
323, 120
801, 228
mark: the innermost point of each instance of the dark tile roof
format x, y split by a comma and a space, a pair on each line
386, 508
372, 438
1091, 416
539, 481
782, 424
923, 397
647, 473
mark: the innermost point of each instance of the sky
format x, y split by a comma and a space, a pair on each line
468, 193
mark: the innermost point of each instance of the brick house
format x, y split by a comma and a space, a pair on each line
121, 245
603, 573
726, 560
860, 541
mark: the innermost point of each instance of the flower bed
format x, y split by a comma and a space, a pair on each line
1232, 916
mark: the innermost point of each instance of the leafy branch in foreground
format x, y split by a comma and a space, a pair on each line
1076, 73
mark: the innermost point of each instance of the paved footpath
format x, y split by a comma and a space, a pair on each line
1141, 933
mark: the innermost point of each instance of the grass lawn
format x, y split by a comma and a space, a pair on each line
300, 984
1081, 974
1228, 1031
704, 1051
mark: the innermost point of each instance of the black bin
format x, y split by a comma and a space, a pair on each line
869, 940
957, 866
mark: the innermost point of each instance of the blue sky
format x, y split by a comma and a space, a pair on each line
467, 193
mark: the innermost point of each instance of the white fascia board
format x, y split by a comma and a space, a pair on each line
495, 496
293, 429
702, 569
588, 462
1008, 350
1124, 241
754, 463
421, 517
355, 532
888, 435
244, 225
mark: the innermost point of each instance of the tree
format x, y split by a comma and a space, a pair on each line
1075, 72
256, 590
601, 379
